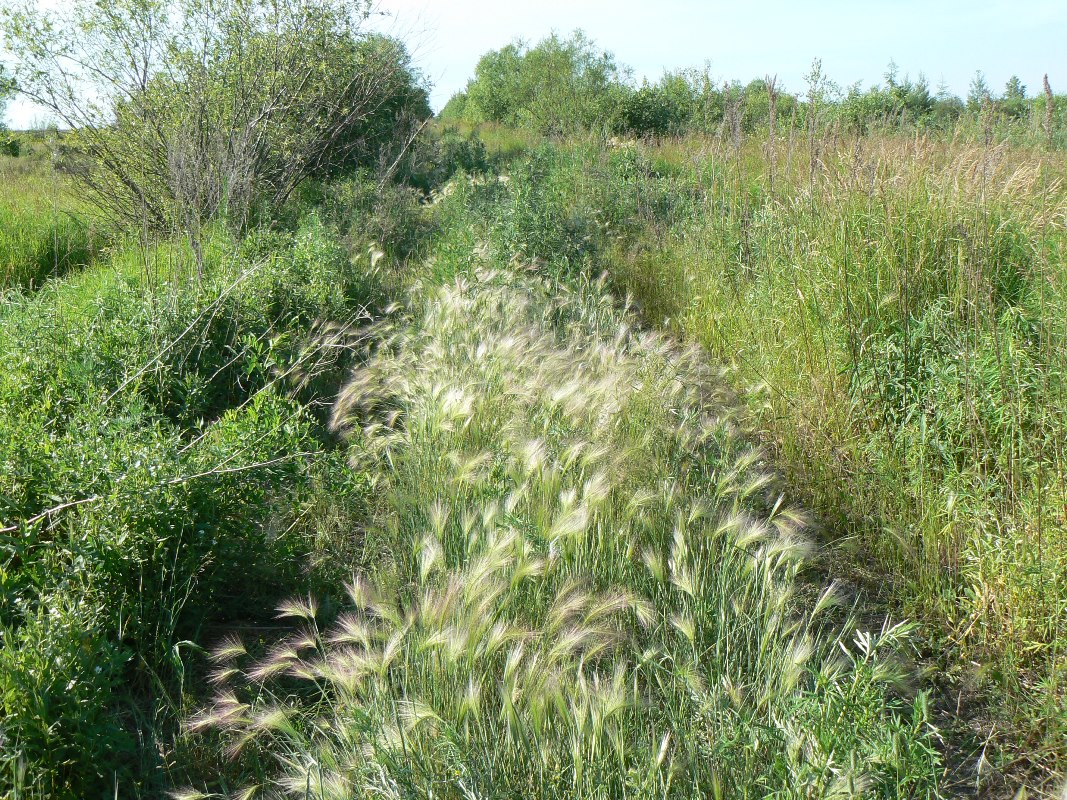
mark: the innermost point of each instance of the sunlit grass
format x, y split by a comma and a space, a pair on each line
44, 229
895, 313
586, 585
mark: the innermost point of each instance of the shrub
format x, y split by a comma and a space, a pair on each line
161, 444
63, 730
236, 102
557, 86
439, 157
652, 111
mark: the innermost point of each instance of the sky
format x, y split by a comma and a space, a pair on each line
947, 40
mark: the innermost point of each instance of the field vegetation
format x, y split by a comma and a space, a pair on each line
594, 440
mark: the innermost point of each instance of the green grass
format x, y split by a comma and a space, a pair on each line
542, 542
44, 230
896, 319
585, 582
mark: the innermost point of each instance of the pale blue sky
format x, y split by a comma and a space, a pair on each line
947, 40
854, 38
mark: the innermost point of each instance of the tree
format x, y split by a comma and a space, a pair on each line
456, 108
659, 109
979, 95
1014, 89
7, 89
557, 86
1014, 103
8, 145
947, 108
184, 110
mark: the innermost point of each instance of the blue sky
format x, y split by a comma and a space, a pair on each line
854, 38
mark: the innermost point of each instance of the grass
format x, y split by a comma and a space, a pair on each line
894, 314
44, 229
539, 541
586, 583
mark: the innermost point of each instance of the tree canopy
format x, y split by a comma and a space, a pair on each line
187, 109
559, 85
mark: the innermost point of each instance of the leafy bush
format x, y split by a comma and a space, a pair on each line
441, 156
62, 732
7, 88
162, 443
391, 219
557, 86
236, 104
653, 111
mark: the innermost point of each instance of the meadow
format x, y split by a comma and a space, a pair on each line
710, 446
42, 233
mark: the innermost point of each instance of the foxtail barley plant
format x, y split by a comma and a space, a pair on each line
588, 583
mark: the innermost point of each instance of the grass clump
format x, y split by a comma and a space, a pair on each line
585, 584
44, 230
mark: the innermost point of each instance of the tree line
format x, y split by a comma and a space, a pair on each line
565, 84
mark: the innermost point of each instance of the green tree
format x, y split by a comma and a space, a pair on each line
184, 110
756, 105
559, 85
947, 108
8, 144
979, 94
1014, 88
456, 108
1014, 102
659, 109
7, 88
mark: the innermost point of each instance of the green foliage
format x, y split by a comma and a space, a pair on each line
233, 105
7, 88
1013, 103
575, 576
585, 587
45, 232
455, 110
978, 93
567, 86
9, 145
438, 157
900, 103
657, 110
899, 337
559, 85
389, 219
59, 674
538, 222
176, 430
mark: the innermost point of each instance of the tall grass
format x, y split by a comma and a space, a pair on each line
895, 313
585, 582
44, 230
